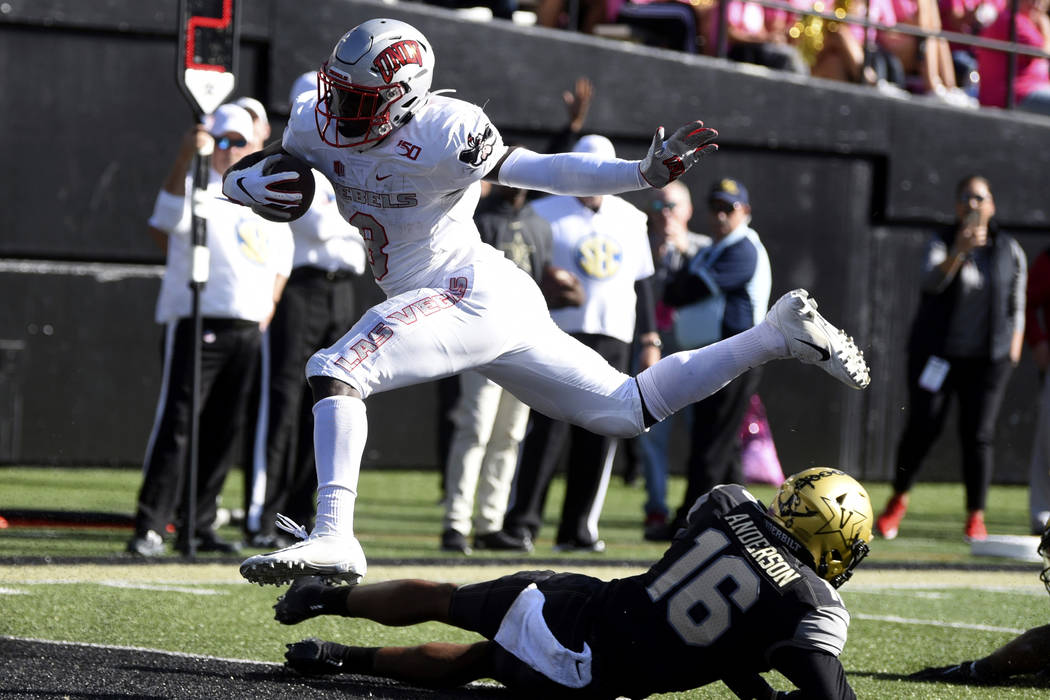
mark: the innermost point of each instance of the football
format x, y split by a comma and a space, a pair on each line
304, 185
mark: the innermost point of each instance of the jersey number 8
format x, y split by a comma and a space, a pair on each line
375, 241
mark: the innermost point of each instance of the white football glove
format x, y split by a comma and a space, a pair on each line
251, 187
668, 160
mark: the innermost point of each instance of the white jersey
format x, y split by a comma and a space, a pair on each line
412, 197
454, 303
608, 250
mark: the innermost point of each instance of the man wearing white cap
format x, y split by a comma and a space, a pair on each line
603, 240
249, 260
260, 121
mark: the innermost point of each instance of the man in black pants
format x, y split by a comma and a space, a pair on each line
249, 262
725, 289
762, 576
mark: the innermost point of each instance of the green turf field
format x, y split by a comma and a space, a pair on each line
903, 619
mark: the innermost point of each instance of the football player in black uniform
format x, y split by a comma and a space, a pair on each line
1024, 654
742, 589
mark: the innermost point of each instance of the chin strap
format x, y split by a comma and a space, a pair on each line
860, 550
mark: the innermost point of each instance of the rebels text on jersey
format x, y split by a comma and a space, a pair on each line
728, 592
412, 197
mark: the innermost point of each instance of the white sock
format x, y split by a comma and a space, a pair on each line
340, 432
691, 375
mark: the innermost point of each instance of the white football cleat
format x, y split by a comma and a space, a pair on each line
811, 339
333, 557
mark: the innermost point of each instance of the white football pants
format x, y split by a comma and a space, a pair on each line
491, 318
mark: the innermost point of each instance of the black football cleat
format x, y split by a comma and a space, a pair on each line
315, 657
301, 601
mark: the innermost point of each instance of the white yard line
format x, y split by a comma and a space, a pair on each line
164, 588
931, 590
936, 623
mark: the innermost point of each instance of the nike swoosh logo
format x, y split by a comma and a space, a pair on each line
578, 671
824, 354
240, 180
383, 177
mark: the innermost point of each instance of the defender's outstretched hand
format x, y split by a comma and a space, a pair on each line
252, 186
668, 160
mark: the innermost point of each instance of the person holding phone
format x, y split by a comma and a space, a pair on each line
965, 341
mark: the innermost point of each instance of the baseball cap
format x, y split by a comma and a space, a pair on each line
306, 81
252, 105
729, 190
596, 145
230, 117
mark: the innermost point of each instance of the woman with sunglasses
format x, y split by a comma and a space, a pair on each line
965, 341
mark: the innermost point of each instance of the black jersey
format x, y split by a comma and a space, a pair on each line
729, 591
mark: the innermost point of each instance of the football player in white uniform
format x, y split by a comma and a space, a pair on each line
406, 163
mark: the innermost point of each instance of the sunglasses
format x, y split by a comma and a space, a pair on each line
226, 142
965, 197
721, 207
660, 206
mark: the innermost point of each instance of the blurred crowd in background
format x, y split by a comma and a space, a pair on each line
902, 51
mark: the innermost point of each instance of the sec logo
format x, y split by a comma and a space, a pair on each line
599, 257
254, 244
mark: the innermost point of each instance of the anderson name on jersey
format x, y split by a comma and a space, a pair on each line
730, 590
413, 195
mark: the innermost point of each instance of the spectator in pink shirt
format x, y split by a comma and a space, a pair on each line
751, 38
1032, 81
756, 34
968, 17
927, 59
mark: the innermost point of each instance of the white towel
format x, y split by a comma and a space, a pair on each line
525, 634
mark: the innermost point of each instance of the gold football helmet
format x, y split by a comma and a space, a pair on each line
829, 512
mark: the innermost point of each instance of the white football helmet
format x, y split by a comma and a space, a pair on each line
829, 512
377, 77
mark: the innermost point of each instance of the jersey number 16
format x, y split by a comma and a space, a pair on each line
702, 574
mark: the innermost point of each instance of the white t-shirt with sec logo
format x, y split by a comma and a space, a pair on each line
608, 250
